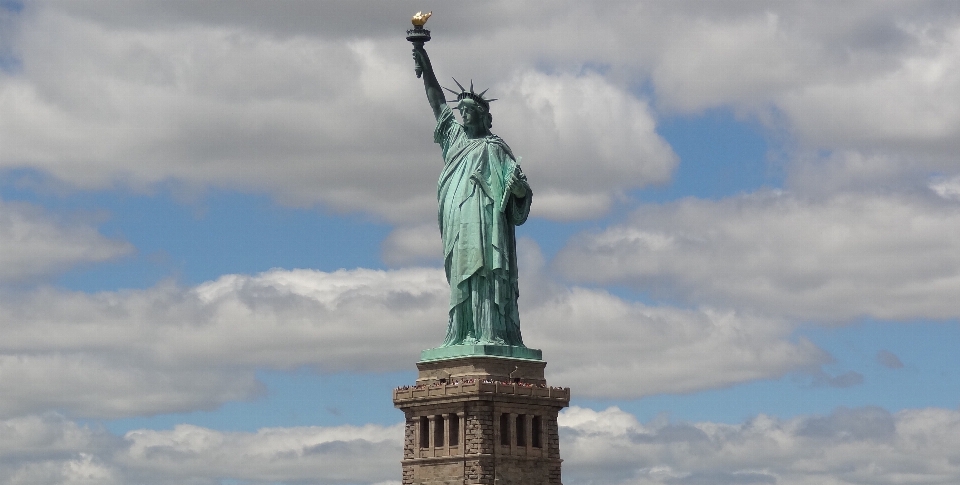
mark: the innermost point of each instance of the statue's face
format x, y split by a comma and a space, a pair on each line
471, 115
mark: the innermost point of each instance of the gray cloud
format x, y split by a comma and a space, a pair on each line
51, 449
315, 103
36, 244
340, 121
889, 359
888, 256
864, 446
413, 244
847, 379
174, 349
604, 346
169, 349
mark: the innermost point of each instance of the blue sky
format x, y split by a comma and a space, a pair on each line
218, 236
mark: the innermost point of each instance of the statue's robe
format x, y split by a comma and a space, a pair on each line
477, 215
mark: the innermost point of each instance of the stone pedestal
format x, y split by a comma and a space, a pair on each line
481, 420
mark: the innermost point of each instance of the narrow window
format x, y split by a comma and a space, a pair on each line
522, 430
505, 429
424, 432
536, 432
438, 431
454, 429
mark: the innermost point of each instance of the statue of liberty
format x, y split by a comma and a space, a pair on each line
482, 196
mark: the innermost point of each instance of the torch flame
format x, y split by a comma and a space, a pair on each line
421, 18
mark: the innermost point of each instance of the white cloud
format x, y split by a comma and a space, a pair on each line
603, 346
99, 106
169, 349
865, 446
584, 138
173, 349
909, 107
290, 102
854, 76
413, 244
343, 454
887, 256
947, 188
306, 118
309, 110
51, 449
36, 244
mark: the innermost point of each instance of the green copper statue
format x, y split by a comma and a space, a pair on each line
482, 196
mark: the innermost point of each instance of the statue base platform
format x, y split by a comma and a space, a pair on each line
483, 368
475, 350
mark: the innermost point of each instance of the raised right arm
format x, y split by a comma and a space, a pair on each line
430, 84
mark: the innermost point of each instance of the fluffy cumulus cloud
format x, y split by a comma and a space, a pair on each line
170, 348
303, 116
344, 454
864, 446
886, 256
587, 141
289, 102
51, 449
872, 78
413, 244
36, 243
603, 346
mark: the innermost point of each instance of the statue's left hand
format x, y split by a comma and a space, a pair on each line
518, 190
517, 186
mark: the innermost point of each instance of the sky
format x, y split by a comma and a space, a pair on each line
219, 253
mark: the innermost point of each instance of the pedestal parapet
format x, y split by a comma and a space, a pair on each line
481, 420
482, 368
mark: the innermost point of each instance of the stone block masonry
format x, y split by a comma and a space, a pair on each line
495, 422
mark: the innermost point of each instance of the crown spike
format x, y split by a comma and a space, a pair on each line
471, 94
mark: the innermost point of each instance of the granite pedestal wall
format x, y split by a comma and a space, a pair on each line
481, 420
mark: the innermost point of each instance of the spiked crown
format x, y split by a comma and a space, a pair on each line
476, 97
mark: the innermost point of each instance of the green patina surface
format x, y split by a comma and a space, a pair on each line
454, 351
482, 196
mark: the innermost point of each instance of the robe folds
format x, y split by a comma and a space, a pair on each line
477, 216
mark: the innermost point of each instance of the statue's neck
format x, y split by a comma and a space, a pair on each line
475, 132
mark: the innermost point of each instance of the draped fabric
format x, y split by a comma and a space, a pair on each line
477, 216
